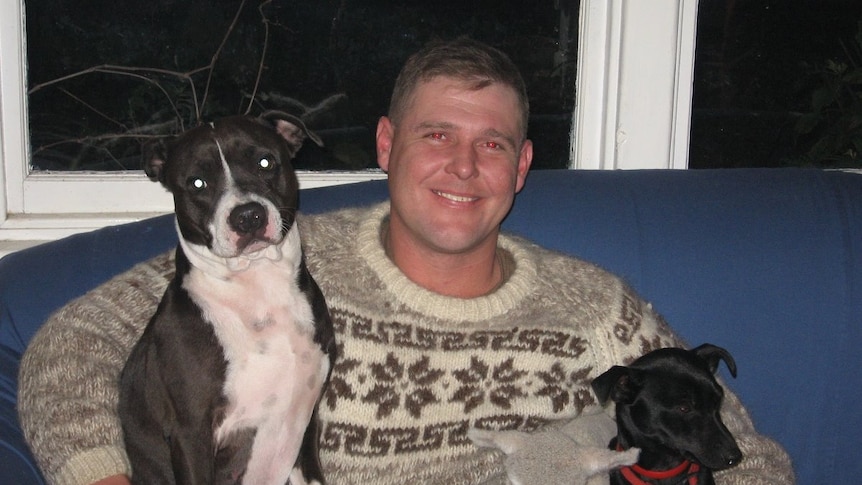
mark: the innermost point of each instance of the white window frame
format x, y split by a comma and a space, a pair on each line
635, 83
635, 72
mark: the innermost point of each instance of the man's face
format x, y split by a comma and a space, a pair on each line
455, 162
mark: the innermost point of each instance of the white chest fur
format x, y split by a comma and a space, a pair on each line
275, 371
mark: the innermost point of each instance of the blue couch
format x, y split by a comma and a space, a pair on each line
767, 263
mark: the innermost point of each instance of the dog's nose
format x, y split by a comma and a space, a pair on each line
247, 218
733, 458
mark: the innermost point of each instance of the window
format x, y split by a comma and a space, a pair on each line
105, 76
778, 83
628, 113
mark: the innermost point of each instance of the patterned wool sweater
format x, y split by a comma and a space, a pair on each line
415, 370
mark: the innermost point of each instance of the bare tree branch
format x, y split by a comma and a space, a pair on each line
215, 58
93, 109
155, 77
125, 71
261, 64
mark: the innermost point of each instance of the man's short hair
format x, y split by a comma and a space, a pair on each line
476, 63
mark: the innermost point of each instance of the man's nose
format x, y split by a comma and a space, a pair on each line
464, 163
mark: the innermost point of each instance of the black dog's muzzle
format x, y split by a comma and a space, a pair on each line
248, 218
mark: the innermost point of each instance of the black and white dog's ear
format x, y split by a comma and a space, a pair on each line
712, 354
291, 128
153, 157
619, 384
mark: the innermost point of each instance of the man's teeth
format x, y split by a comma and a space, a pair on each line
456, 198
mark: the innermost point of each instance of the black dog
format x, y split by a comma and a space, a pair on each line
667, 404
223, 385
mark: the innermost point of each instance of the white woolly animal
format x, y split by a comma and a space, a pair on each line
576, 453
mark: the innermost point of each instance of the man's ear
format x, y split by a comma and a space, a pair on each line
291, 128
525, 159
618, 384
385, 132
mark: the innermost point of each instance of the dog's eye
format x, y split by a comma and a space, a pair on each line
196, 183
684, 408
266, 163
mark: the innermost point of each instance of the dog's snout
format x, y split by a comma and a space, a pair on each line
722, 460
248, 218
733, 458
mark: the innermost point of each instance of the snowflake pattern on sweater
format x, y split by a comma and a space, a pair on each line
416, 370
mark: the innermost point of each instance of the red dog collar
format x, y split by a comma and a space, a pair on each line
634, 472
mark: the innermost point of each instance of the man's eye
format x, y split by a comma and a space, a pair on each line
437, 136
494, 145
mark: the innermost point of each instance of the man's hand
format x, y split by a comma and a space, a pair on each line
114, 480
575, 453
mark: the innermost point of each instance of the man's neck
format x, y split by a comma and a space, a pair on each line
463, 275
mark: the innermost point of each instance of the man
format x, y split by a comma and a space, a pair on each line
443, 323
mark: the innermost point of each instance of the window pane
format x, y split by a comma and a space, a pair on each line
104, 75
778, 83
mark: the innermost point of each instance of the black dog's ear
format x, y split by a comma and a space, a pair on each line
619, 384
712, 354
153, 156
291, 128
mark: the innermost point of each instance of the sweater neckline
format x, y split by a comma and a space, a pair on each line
518, 285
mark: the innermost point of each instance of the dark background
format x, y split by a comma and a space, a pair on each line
777, 82
346, 52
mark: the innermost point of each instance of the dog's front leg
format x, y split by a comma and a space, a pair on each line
191, 457
308, 461
232, 457
191, 438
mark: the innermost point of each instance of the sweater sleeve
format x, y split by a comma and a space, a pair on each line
764, 460
68, 379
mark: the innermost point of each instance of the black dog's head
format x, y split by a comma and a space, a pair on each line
235, 191
669, 401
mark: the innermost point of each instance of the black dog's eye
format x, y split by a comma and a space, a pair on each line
683, 408
266, 163
196, 183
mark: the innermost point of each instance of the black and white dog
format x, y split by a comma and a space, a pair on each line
222, 387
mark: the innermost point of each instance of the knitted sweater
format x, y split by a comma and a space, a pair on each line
415, 369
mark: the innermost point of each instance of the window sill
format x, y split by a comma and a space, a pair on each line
20, 231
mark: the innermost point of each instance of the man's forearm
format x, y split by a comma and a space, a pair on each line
68, 379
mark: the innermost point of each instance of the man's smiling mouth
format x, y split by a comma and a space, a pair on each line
455, 198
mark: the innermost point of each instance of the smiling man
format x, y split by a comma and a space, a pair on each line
443, 323
455, 160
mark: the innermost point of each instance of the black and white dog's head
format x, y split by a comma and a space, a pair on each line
235, 191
